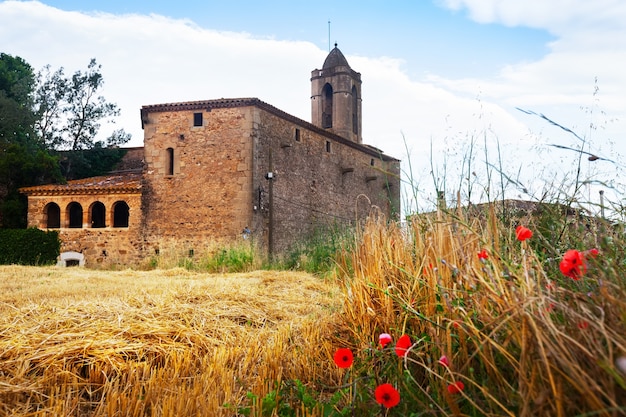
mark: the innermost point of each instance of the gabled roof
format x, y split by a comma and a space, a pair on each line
207, 105
123, 183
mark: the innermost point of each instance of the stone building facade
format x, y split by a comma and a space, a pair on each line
217, 170
99, 217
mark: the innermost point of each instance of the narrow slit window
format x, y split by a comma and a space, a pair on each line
327, 106
197, 119
170, 161
372, 162
327, 146
297, 135
355, 111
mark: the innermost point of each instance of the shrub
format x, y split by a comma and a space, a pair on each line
29, 246
318, 253
238, 258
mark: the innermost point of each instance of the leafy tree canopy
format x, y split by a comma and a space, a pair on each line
16, 114
46, 113
70, 110
16, 79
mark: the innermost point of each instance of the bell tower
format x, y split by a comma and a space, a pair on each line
336, 97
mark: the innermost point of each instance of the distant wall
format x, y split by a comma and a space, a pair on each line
319, 181
133, 159
103, 246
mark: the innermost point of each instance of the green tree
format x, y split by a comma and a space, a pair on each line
42, 115
70, 112
98, 160
49, 98
16, 116
23, 159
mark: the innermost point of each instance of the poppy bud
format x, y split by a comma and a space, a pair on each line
384, 339
444, 361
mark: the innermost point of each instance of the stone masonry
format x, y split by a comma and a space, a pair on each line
214, 168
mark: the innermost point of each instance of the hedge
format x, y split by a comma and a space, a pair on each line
29, 246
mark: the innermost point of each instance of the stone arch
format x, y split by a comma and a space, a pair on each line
327, 106
97, 215
52, 216
121, 214
71, 259
74, 215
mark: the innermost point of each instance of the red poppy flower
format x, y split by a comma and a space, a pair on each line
573, 264
522, 233
593, 252
403, 345
444, 361
483, 254
387, 395
456, 387
343, 357
384, 339
583, 325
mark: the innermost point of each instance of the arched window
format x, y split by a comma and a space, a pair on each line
97, 215
355, 111
327, 106
52, 215
75, 214
120, 214
170, 161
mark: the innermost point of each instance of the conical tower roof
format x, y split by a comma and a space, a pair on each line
335, 59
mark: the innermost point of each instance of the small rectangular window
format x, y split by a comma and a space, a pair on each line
327, 146
170, 161
372, 162
197, 119
297, 135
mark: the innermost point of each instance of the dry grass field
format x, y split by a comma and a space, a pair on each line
78, 342
496, 324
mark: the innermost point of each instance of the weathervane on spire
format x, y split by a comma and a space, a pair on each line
328, 35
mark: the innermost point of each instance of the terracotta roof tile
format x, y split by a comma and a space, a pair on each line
251, 101
129, 182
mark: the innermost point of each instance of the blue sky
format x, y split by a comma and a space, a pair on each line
429, 37
438, 76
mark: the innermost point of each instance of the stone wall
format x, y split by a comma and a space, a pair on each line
217, 183
104, 246
205, 195
319, 180
215, 168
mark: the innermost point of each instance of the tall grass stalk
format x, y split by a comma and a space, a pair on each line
525, 340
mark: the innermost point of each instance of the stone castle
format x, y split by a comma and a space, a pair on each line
227, 169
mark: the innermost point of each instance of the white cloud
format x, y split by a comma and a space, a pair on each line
153, 59
589, 52
150, 59
557, 16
